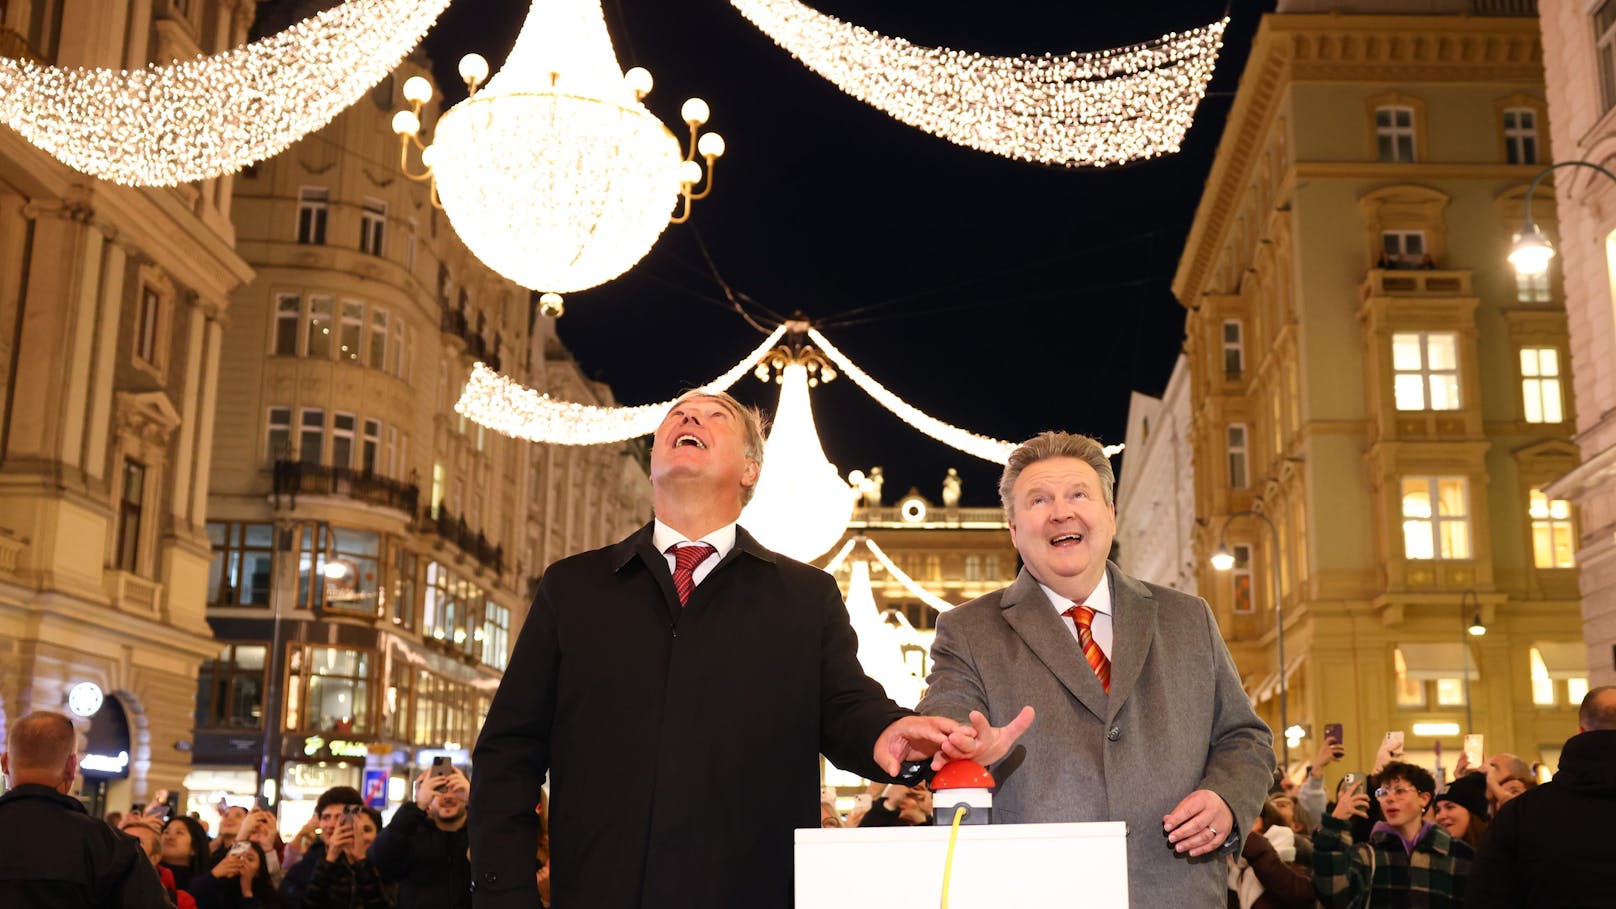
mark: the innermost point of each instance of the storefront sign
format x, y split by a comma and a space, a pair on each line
101, 763
316, 746
375, 788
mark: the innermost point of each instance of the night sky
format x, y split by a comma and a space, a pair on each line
1000, 296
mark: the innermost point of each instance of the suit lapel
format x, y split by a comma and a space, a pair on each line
1031, 616
1133, 629
638, 547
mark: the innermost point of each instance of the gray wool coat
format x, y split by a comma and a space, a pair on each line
1176, 720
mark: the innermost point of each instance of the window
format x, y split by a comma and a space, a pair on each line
438, 608
1553, 663
278, 436
311, 436
352, 572
397, 710
131, 506
496, 635
1542, 684
373, 227
1540, 385
313, 207
401, 598
1394, 133
438, 476
1402, 248
1520, 135
1605, 50
1450, 692
288, 311
353, 322
973, 568
1532, 288
1554, 543
370, 448
1237, 456
378, 339
146, 322
342, 439
990, 568
1425, 367
393, 455
1234, 354
329, 691
1410, 691
243, 559
1242, 579
317, 343
397, 365
1436, 518
230, 689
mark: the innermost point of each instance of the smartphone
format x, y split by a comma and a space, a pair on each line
1473, 752
160, 810
441, 766
1350, 782
239, 848
1394, 739
863, 801
1332, 733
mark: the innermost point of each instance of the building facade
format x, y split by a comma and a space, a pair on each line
373, 552
1579, 43
113, 304
1155, 493
1367, 373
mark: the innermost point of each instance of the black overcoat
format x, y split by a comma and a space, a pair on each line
682, 743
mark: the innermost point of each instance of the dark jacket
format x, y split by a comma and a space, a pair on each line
1285, 885
341, 885
1433, 876
1552, 846
682, 744
53, 855
298, 876
428, 864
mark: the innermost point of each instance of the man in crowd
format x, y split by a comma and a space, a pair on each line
424, 848
1141, 715
1552, 846
53, 855
1409, 861
653, 677
306, 850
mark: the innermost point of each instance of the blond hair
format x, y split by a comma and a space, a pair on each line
1055, 444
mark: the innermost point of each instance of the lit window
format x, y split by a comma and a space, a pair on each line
1576, 690
1394, 133
1402, 248
1234, 355
353, 322
1237, 456
1450, 692
1540, 385
1532, 288
1242, 579
1410, 691
313, 207
1542, 682
1554, 543
496, 635
373, 227
1425, 370
351, 577
317, 340
1436, 518
338, 691
1520, 135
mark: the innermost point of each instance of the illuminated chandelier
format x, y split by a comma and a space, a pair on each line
212, 115
1093, 109
554, 174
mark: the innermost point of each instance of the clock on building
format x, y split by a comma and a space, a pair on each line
84, 699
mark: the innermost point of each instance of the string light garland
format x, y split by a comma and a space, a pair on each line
1077, 109
910, 584
505, 406
212, 115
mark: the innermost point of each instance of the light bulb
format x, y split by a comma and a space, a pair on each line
406, 123
1223, 560
689, 173
711, 145
638, 81
429, 155
417, 90
695, 112
1531, 253
474, 69
551, 306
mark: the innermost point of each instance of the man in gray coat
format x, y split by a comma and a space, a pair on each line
1141, 717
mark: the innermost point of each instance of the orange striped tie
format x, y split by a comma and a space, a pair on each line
1084, 617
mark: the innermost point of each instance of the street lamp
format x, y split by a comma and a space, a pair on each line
1472, 628
1532, 251
1223, 561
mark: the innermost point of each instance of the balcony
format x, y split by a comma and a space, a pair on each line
455, 530
294, 478
1388, 282
454, 323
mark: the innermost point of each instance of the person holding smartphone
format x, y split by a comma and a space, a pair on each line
424, 849
1404, 861
239, 881
345, 877
308, 847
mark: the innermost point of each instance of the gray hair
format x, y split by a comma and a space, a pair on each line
1598, 708
752, 427
1055, 444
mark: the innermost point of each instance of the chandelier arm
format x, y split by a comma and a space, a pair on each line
685, 207
213, 115
909, 584
515, 410
707, 186
404, 160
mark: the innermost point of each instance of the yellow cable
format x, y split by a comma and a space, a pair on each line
948, 863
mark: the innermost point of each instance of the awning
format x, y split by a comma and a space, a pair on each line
1564, 661
1428, 662
1269, 686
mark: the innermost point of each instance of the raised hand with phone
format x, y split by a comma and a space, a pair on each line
424, 848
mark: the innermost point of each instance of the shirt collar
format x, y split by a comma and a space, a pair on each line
722, 539
1099, 600
1385, 830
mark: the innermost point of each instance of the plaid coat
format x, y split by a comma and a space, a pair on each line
1433, 875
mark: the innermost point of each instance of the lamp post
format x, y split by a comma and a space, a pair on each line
1470, 621
1223, 560
1532, 251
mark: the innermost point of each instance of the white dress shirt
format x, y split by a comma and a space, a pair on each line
1099, 601
723, 539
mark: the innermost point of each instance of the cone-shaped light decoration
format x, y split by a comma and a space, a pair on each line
802, 504
878, 649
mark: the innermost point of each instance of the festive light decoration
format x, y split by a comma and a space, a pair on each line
1093, 109
879, 644
910, 584
523, 413
555, 175
802, 505
212, 115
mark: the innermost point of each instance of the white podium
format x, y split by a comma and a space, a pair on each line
995, 866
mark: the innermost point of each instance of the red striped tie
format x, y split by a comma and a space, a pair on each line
686, 556
1084, 617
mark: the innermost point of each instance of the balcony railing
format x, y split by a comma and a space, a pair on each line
454, 322
294, 478
1385, 282
455, 530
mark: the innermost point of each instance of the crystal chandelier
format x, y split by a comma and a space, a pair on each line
554, 173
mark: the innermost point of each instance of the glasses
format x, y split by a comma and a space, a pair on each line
1382, 792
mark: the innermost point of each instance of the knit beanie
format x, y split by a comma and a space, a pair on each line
1468, 792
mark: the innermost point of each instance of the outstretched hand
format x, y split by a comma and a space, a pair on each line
985, 744
913, 738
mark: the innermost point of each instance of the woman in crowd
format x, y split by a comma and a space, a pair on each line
1461, 809
261, 828
239, 881
345, 879
1266, 875
185, 849
230, 820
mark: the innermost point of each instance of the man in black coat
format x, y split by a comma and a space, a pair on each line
424, 848
53, 855
1551, 847
680, 702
